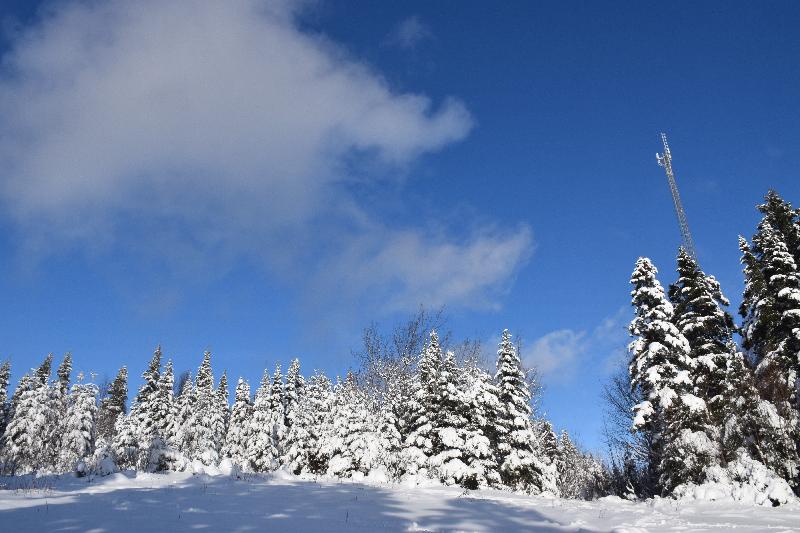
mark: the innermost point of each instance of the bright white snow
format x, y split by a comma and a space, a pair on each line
281, 502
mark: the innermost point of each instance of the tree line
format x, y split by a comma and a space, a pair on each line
415, 410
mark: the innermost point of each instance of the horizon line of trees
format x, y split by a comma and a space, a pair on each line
415, 410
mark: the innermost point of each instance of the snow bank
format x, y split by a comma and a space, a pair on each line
179, 501
743, 480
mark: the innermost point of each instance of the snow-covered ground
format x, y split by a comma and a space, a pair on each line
185, 502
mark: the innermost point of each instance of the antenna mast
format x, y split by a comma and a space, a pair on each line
665, 160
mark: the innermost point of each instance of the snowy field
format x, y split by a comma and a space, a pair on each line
183, 502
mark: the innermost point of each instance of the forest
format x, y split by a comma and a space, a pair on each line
707, 407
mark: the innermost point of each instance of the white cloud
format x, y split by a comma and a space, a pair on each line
435, 272
409, 33
558, 354
197, 132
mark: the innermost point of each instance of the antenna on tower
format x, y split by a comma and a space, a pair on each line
665, 160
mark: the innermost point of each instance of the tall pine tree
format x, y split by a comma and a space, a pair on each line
78, 440
660, 369
260, 448
238, 434
521, 465
113, 405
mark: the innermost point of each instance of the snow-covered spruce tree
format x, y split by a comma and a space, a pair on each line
78, 439
462, 453
238, 434
125, 446
64, 372
388, 441
277, 414
22, 443
550, 454
448, 422
5, 406
164, 407
753, 426
580, 476
423, 406
45, 369
260, 448
222, 410
205, 418
521, 466
350, 450
184, 440
784, 219
775, 354
570, 484
483, 409
700, 316
771, 336
148, 440
112, 406
312, 429
293, 392
399, 395
661, 368
55, 413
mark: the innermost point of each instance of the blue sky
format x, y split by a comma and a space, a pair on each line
265, 179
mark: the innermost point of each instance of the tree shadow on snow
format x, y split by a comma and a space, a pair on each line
221, 503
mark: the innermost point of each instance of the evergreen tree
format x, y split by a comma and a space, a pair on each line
185, 439
260, 448
707, 327
222, 410
238, 436
350, 441
294, 391
778, 364
53, 410
426, 402
520, 464
483, 409
125, 446
389, 442
112, 406
550, 455
312, 427
205, 419
661, 369
277, 414
784, 220
570, 468
753, 424
43, 372
64, 372
147, 413
23, 446
771, 327
164, 407
700, 316
451, 430
78, 439
5, 406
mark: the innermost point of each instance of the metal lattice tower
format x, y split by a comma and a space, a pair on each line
665, 160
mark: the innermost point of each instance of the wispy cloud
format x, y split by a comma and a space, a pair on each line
191, 135
409, 33
559, 354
